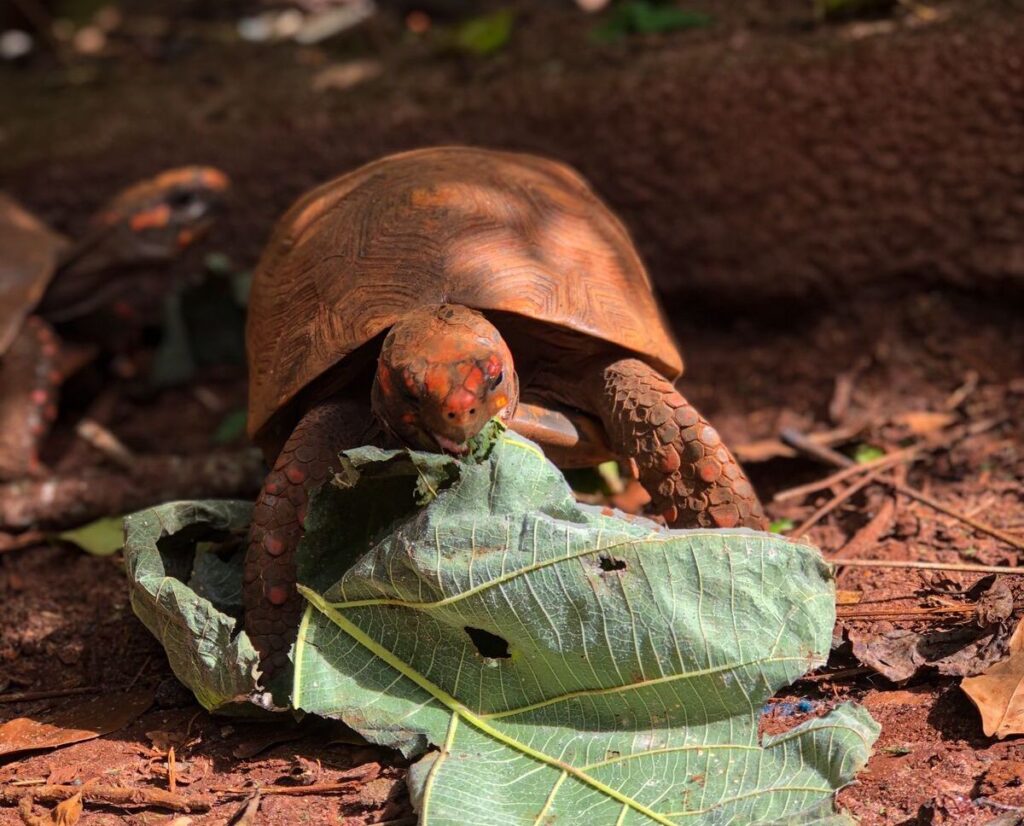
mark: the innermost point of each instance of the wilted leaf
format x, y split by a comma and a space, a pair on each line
100, 538
487, 34
185, 594
998, 693
563, 660
83, 720
902, 654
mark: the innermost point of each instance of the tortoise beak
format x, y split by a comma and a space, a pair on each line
449, 446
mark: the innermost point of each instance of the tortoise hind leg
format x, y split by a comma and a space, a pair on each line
29, 379
693, 479
272, 603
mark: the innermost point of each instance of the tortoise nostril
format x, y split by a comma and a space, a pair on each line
472, 411
451, 415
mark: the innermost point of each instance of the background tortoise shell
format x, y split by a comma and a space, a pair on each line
29, 255
491, 230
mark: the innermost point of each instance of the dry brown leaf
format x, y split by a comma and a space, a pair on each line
68, 812
998, 693
848, 597
84, 720
923, 422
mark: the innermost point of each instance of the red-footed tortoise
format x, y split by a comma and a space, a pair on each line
47, 280
399, 293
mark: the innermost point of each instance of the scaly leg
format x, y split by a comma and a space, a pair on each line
693, 479
272, 603
29, 380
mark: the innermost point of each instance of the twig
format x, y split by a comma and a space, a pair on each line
18, 541
316, 788
958, 396
765, 449
898, 613
835, 502
172, 772
106, 443
935, 504
932, 566
70, 500
795, 439
110, 796
138, 673
841, 476
868, 536
50, 694
840, 674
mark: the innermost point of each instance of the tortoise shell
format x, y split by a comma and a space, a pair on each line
29, 255
491, 230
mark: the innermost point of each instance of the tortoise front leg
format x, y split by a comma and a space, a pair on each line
693, 479
272, 603
29, 380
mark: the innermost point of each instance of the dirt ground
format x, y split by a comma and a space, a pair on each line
871, 362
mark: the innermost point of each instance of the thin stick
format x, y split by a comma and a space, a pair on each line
110, 796
765, 449
837, 675
27, 696
19, 541
795, 439
904, 612
978, 525
172, 772
99, 437
834, 503
316, 788
930, 566
841, 476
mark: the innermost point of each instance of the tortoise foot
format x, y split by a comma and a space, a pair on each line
692, 477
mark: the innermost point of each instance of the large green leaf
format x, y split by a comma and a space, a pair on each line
571, 666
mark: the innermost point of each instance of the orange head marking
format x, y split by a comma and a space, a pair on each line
457, 372
167, 212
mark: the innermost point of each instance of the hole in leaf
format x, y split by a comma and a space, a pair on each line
610, 563
488, 644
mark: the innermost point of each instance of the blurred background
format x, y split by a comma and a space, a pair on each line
829, 195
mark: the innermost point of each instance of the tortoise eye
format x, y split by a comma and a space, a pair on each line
497, 380
182, 199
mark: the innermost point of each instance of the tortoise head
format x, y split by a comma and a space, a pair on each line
443, 373
156, 218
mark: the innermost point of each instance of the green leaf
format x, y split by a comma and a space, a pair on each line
487, 34
646, 17
570, 666
783, 525
231, 427
864, 453
100, 538
184, 564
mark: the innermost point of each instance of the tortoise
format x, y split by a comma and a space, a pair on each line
387, 308
111, 271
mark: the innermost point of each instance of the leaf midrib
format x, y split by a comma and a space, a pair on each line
450, 702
